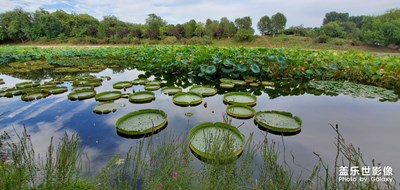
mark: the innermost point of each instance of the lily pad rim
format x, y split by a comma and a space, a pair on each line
138, 112
279, 129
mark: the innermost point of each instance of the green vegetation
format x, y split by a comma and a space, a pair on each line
210, 63
168, 165
58, 27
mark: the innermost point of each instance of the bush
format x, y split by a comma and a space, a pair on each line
322, 39
91, 40
338, 41
169, 40
244, 35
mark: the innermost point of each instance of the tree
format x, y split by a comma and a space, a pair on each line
45, 24
333, 29
199, 31
86, 25
278, 23
66, 20
15, 25
245, 31
179, 31
227, 27
154, 23
335, 16
211, 27
383, 29
189, 27
264, 25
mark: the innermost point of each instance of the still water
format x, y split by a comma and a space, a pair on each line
372, 125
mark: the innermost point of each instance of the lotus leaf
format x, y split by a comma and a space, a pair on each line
240, 111
278, 121
141, 97
108, 95
187, 98
122, 84
171, 90
216, 141
141, 122
107, 107
242, 98
203, 90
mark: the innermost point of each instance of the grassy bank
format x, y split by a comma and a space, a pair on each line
287, 41
168, 164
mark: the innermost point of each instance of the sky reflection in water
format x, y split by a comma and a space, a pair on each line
367, 123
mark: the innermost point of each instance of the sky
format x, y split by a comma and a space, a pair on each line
308, 13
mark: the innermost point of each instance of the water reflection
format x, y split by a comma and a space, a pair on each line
367, 123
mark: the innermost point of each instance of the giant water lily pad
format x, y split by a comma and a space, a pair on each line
240, 111
10, 92
23, 85
203, 90
1, 81
153, 83
278, 121
141, 122
187, 98
241, 98
80, 88
226, 85
36, 95
122, 84
57, 90
355, 90
107, 107
108, 95
216, 141
151, 87
171, 90
81, 95
139, 81
142, 97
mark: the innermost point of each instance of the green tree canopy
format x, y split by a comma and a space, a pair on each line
335, 16
264, 25
278, 23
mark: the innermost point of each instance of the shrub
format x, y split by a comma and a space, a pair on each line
322, 39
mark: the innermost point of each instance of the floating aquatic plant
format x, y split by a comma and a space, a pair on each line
142, 97
141, 122
187, 99
108, 95
107, 107
171, 90
203, 90
242, 98
278, 121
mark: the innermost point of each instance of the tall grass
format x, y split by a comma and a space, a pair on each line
165, 162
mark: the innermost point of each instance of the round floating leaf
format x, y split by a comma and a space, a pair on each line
255, 68
216, 141
1, 81
187, 98
253, 84
142, 97
23, 85
141, 122
225, 80
211, 69
249, 79
122, 84
228, 63
36, 95
241, 98
203, 90
81, 95
107, 107
108, 95
267, 83
171, 90
239, 82
240, 111
57, 90
151, 87
227, 85
80, 88
139, 81
278, 121
153, 83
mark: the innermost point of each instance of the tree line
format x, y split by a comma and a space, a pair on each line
376, 30
58, 26
41, 25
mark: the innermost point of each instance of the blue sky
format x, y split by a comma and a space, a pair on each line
307, 12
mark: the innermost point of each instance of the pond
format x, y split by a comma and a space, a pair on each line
368, 123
